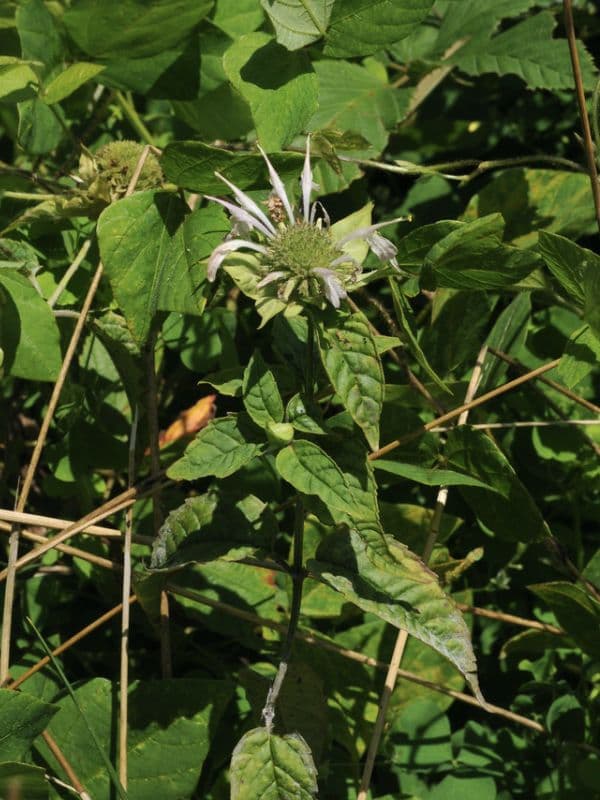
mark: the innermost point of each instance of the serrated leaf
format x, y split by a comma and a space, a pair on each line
262, 399
351, 360
567, 261
144, 253
360, 27
22, 719
69, 81
298, 22
577, 613
353, 99
194, 532
220, 449
192, 165
280, 87
509, 512
29, 335
527, 50
167, 716
474, 257
383, 577
265, 766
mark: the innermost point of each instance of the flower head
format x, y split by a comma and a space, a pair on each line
299, 257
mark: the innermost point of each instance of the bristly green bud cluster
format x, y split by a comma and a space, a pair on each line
296, 256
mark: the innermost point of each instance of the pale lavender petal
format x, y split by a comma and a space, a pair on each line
363, 233
272, 276
241, 215
278, 186
222, 250
334, 291
343, 259
306, 182
313, 213
248, 204
383, 248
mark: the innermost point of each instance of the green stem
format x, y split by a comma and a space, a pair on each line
298, 575
595, 118
134, 118
30, 196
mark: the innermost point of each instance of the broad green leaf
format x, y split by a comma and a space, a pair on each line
110, 28
167, 716
413, 248
404, 317
349, 355
22, 719
360, 27
509, 512
474, 257
29, 334
237, 17
262, 399
531, 200
353, 99
419, 737
429, 477
577, 613
220, 449
468, 788
18, 81
69, 81
227, 382
298, 22
509, 333
591, 291
280, 87
209, 527
192, 165
581, 356
144, 255
265, 766
527, 50
567, 261
304, 415
566, 718
383, 577
23, 781
40, 129
38, 34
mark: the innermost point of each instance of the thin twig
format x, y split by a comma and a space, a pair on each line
547, 423
91, 558
268, 712
65, 764
511, 619
581, 102
352, 655
59, 524
68, 643
402, 637
456, 412
71, 270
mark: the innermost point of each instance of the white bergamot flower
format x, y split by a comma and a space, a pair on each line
298, 257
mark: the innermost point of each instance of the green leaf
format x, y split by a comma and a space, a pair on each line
29, 335
110, 28
22, 719
194, 532
144, 254
527, 50
429, 477
509, 511
474, 788
280, 87
220, 449
23, 780
69, 81
192, 165
577, 613
40, 129
353, 99
567, 261
566, 719
237, 17
404, 317
581, 356
591, 291
38, 33
174, 716
383, 577
413, 248
473, 257
298, 22
360, 27
262, 399
227, 382
18, 81
509, 333
419, 737
265, 766
349, 355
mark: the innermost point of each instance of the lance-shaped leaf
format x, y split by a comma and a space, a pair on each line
224, 446
383, 577
350, 357
265, 766
261, 394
